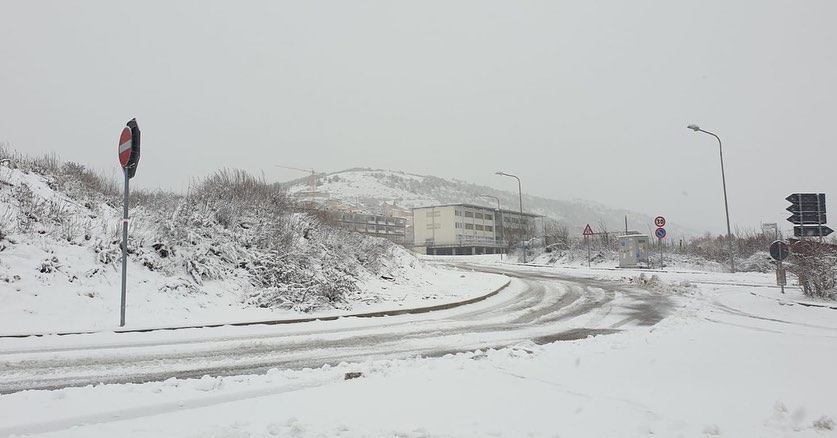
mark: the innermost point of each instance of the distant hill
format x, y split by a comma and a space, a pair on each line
368, 189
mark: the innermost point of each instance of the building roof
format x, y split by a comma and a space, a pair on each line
482, 207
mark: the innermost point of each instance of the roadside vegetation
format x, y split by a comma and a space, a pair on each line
228, 225
813, 263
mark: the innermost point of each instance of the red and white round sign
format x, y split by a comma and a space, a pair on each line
125, 143
660, 221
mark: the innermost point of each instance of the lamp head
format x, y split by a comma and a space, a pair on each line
694, 127
499, 173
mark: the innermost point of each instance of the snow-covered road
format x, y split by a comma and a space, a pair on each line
538, 305
724, 360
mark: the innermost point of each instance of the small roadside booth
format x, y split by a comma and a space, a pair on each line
634, 251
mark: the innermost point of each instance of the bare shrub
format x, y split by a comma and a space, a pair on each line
556, 235
815, 265
746, 244
45, 164
31, 209
83, 184
287, 281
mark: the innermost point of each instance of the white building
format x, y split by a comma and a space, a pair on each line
457, 229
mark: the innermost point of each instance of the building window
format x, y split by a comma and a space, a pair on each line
479, 227
457, 213
469, 214
459, 225
506, 219
489, 217
434, 226
477, 215
489, 228
433, 213
469, 226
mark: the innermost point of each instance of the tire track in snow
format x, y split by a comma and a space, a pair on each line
549, 307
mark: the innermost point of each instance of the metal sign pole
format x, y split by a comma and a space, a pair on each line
801, 224
779, 251
587, 241
819, 217
129, 155
124, 250
781, 272
660, 241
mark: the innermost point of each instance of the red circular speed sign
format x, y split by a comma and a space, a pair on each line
125, 143
660, 221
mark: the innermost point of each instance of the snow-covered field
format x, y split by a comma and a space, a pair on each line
735, 358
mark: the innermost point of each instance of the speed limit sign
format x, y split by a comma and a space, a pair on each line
660, 221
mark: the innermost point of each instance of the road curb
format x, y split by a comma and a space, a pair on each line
794, 302
393, 312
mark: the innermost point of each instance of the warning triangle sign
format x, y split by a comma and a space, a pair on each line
588, 231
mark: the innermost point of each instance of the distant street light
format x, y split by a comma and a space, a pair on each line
497, 222
520, 196
696, 128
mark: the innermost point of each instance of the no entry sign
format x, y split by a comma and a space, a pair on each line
129, 148
125, 143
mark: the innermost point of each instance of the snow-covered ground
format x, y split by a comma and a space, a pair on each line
38, 303
735, 358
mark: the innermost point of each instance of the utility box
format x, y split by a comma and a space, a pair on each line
634, 251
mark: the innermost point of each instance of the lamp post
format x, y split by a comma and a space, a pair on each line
696, 128
520, 196
496, 221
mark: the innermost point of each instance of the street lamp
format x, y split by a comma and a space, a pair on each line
696, 128
520, 196
497, 222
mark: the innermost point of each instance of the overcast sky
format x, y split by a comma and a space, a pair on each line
580, 99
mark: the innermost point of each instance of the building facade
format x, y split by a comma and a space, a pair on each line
392, 228
458, 229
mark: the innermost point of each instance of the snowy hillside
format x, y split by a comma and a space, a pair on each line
369, 189
192, 259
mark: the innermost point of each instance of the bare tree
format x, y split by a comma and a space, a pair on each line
603, 235
556, 233
514, 236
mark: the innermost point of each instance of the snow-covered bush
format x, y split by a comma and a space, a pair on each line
749, 248
760, 261
815, 265
84, 185
232, 222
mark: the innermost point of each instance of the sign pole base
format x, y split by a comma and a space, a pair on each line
124, 252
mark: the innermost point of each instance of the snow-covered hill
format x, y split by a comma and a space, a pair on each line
369, 189
211, 256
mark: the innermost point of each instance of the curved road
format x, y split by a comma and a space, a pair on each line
538, 306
